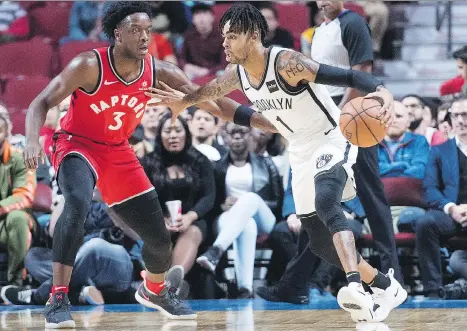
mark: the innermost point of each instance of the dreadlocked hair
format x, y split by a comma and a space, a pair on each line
244, 18
117, 12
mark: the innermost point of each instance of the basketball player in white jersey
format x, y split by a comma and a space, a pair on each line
284, 87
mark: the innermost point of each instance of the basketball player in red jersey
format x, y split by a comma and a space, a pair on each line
108, 100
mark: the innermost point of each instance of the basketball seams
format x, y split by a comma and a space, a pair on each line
356, 113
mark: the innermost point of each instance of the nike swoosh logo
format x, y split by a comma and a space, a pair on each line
110, 83
397, 292
247, 88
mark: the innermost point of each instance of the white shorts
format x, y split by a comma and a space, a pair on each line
316, 158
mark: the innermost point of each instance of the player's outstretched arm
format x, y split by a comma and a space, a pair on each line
175, 85
297, 69
83, 72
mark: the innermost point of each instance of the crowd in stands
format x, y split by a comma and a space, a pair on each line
234, 182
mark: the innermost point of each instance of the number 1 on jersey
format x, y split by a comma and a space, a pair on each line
283, 123
118, 120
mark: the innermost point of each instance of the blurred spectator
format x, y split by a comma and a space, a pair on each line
402, 153
277, 36
203, 127
150, 122
140, 146
85, 21
180, 172
420, 116
461, 60
4, 112
170, 18
161, 48
444, 124
249, 198
271, 144
307, 35
14, 22
104, 266
378, 13
17, 191
202, 52
445, 186
51, 124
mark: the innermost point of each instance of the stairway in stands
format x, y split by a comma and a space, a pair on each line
425, 62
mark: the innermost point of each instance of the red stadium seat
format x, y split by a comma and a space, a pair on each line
42, 199
21, 90
403, 191
26, 58
219, 9
69, 50
294, 17
50, 21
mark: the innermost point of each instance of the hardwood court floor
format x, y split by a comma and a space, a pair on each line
253, 315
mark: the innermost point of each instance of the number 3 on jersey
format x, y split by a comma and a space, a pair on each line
118, 120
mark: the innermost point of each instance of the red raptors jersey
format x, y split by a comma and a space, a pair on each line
111, 112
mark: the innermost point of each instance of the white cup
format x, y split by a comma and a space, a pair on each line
175, 209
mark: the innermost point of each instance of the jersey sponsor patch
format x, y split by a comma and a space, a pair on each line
323, 160
272, 86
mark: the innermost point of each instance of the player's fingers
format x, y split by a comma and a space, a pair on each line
167, 87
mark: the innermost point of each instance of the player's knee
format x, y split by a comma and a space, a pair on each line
78, 202
329, 188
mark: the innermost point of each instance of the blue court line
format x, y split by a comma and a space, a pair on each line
255, 304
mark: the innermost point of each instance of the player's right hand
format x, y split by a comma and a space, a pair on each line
167, 97
32, 153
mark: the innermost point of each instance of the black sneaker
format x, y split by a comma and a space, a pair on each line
166, 302
16, 295
279, 293
210, 258
57, 312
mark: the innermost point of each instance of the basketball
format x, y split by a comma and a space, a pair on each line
359, 123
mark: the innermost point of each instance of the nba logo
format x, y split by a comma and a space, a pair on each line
144, 84
272, 86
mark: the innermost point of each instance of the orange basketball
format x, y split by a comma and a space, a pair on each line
359, 123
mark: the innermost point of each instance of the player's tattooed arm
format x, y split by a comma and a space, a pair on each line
296, 68
177, 86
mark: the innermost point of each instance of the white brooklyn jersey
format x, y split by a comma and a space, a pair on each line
302, 114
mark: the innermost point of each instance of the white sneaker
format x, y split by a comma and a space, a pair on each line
354, 299
390, 298
372, 327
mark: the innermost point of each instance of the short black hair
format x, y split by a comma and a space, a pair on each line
416, 96
461, 54
201, 7
195, 109
244, 18
117, 12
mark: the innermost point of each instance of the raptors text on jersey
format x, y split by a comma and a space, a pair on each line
111, 112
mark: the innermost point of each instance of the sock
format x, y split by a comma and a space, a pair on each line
353, 277
155, 288
59, 288
380, 281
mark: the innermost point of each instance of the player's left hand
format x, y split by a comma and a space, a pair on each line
167, 97
387, 110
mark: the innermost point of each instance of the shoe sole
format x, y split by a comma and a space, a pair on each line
204, 262
93, 296
348, 302
61, 325
164, 312
175, 276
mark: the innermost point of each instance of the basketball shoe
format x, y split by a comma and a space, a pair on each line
167, 302
355, 300
57, 312
210, 258
390, 298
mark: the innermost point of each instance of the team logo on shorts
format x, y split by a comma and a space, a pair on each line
272, 86
323, 160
